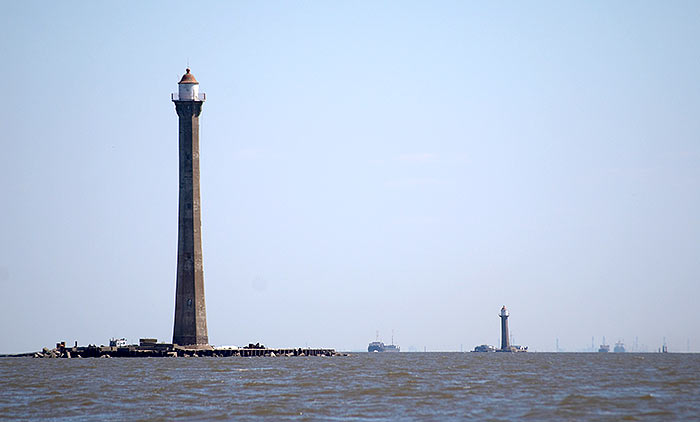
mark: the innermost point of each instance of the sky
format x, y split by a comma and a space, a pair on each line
368, 166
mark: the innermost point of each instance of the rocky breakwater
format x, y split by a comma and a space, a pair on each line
60, 351
151, 348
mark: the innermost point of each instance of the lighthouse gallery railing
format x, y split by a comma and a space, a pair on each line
199, 97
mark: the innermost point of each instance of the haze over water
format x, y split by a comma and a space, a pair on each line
361, 387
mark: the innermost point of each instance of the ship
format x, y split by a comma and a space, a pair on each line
604, 348
378, 346
619, 347
484, 348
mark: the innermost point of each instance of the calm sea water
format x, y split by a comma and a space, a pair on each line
360, 387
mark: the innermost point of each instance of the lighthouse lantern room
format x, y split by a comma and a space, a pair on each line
188, 88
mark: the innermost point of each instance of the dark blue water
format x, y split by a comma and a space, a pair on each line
360, 387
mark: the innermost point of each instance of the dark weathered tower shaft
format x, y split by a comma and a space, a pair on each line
190, 310
505, 341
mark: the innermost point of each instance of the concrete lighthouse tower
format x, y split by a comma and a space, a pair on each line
190, 310
505, 341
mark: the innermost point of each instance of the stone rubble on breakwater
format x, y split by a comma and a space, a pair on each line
154, 349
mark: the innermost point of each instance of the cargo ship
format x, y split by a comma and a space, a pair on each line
378, 346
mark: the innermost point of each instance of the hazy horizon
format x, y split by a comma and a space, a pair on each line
365, 166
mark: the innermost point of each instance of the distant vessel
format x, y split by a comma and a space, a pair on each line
619, 347
378, 346
484, 348
604, 348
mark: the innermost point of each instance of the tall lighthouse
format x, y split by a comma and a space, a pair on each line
505, 342
190, 310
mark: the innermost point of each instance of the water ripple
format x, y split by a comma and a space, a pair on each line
361, 387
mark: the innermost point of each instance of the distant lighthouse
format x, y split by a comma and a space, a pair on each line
190, 310
505, 342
